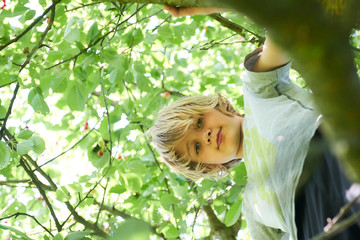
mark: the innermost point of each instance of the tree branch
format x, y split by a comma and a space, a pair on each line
33, 24
25, 214
235, 27
36, 181
3, 126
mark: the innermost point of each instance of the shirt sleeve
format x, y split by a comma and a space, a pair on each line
266, 84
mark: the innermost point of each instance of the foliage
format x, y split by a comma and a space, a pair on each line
80, 84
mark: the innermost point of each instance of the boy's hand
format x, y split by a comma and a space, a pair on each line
189, 11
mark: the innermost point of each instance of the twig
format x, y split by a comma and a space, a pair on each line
30, 26
12, 142
82, 6
25, 214
195, 217
9, 110
339, 227
9, 83
42, 37
108, 115
90, 45
83, 221
235, 27
36, 181
102, 201
343, 211
67, 150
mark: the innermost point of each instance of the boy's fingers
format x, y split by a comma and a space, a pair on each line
173, 10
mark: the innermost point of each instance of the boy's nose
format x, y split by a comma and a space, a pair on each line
207, 136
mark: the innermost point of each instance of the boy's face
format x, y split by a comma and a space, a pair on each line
216, 138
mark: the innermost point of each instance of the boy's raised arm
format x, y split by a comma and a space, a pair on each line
271, 57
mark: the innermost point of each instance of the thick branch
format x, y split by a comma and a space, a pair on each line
42, 192
218, 229
83, 221
319, 42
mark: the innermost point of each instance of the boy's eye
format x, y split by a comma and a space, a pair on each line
197, 148
199, 122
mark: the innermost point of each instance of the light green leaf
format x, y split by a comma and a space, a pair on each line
75, 99
93, 31
117, 189
2, 112
58, 237
132, 182
233, 214
59, 83
30, 14
143, 82
25, 134
138, 37
132, 229
72, 34
25, 147
4, 155
62, 194
170, 231
37, 101
14, 230
39, 144
137, 167
77, 235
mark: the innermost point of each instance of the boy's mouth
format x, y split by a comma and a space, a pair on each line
219, 138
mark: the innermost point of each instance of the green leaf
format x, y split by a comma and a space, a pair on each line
72, 34
233, 214
62, 194
14, 230
132, 182
75, 99
132, 229
138, 37
143, 82
39, 144
117, 189
98, 161
25, 147
93, 31
37, 101
170, 231
59, 83
25, 134
77, 235
4, 155
137, 167
2, 111
30, 14
58, 237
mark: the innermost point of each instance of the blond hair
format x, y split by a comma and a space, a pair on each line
171, 126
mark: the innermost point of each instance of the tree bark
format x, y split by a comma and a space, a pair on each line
218, 229
319, 41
